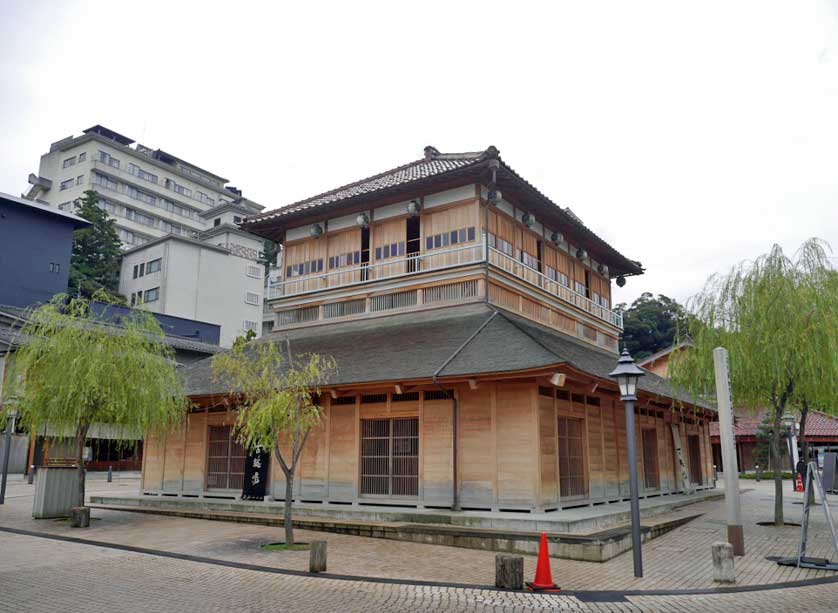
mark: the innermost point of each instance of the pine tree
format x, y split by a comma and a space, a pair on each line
95, 261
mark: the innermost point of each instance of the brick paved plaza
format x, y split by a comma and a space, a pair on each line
40, 573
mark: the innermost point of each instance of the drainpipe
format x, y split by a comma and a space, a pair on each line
456, 499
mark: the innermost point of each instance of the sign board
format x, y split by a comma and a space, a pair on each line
255, 474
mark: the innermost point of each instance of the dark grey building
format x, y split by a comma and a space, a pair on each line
35, 246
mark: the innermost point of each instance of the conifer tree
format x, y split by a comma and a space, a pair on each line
96, 256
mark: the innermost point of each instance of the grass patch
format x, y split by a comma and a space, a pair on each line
284, 547
766, 476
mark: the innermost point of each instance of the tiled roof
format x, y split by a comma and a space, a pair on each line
451, 342
440, 166
817, 424
433, 164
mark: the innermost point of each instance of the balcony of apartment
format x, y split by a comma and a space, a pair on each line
395, 272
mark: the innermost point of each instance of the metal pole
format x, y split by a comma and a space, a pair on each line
635, 503
9, 429
735, 535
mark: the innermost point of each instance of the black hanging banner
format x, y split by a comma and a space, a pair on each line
255, 474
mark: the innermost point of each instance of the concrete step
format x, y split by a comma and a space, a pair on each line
595, 547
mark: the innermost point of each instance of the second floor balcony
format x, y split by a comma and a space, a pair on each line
438, 260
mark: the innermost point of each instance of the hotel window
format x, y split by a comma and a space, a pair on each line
237, 219
254, 271
454, 237
69, 162
554, 275
172, 228
180, 189
54, 267
153, 266
501, 245
79, 179
137, 298
152, 295
389, 251
142, 174
82, 156
305, 268
251, 325
345, 259
216, 222
104, 181
107, 158
251, 298
390, 457
66, 184
202, 197
136, 194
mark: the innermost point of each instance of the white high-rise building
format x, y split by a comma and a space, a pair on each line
184, 252
150, 193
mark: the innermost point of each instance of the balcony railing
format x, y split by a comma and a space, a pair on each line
439, 260
386, 269
522, 271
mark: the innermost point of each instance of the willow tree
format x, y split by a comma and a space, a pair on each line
76, 368
278, 402
778, 319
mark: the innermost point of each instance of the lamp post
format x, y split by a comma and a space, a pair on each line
627, 373
10, 427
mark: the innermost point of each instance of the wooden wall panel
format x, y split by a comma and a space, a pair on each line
343, 462
314, 461
477, 452
622, 444
610, 457
596, 465
173, 463
548, 442
514, 443
194, 470
153, 451
436, 448
343, 243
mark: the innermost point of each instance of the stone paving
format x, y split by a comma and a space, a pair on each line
39, 574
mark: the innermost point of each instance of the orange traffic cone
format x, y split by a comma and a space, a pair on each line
798, 487
543, 577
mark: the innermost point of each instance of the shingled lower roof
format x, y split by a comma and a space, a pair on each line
451, 342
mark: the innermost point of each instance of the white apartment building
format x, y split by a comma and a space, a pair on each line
216, 279
149, 193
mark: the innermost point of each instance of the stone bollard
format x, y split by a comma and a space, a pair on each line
110, 474
317, 557
723, 570
31, 477
509, 572
80, 517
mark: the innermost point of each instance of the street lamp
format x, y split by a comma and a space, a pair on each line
627, 373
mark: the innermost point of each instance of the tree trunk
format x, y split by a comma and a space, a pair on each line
777, 465
286, 518
81, 438
804, 448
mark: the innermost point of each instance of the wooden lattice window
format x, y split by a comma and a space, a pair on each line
225, 460
650, 459
390, 457
572, 478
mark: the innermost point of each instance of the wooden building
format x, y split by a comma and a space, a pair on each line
470, 318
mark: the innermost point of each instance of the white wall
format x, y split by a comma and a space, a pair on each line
199, 282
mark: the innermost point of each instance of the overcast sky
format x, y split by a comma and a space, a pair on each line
688, 135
